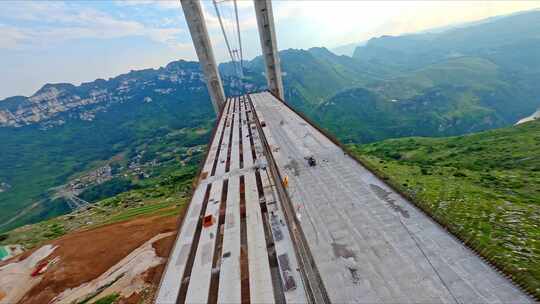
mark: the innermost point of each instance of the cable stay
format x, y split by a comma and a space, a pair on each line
236, 55
223, 29
239, 40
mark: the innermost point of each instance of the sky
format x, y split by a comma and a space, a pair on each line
78, 41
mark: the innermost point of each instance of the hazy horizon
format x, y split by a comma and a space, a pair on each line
75, 42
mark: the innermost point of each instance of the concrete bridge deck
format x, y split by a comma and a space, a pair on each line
242, 252
335, 225
370, 245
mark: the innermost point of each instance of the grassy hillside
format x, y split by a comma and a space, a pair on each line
485, 187
312, 76
164, 194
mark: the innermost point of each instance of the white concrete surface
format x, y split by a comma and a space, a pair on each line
371, 245
200, 275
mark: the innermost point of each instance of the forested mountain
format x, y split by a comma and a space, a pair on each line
452, 82
462, 80
64, 130
509, 41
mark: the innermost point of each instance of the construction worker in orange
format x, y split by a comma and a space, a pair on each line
286, 181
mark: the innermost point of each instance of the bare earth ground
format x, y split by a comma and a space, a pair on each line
106, 258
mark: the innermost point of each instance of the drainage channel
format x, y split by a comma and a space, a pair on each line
249, 118
240, 141
216, 159
229, 147
277, 282
315, 288
244, 265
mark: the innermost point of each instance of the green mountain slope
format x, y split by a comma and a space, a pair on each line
496, 39
484, 187
39, 157
314, 75
460, 95
35, 161
458, 81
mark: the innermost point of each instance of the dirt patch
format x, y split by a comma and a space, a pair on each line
164, 245
86, 255
124, 278
133, 299
153, 275
385, 196
16, 279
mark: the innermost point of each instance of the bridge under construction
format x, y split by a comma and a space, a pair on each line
282, 214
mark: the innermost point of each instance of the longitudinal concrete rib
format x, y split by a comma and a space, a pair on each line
170, 282
369, 244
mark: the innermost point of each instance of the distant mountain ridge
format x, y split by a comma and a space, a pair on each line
52, 100
466, 79
494, 38
75, 128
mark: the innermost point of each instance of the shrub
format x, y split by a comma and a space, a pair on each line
460, 174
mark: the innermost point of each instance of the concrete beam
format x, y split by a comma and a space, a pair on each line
199, 34
267, 35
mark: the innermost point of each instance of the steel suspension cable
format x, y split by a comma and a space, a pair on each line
223, 30
239, 39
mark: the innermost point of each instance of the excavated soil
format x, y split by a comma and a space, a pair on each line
85, 255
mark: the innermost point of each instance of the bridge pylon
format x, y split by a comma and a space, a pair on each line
199, 34
267, 35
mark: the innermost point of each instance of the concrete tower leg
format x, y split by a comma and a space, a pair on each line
199, 34
267, 35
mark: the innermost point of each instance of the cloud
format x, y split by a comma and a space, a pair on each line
163, 4
246, 15
50, 23
10, 37
332, 23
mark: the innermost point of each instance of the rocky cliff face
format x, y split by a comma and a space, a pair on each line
53, 102
48, 102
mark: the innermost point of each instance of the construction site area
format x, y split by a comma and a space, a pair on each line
280, 212
69, 269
